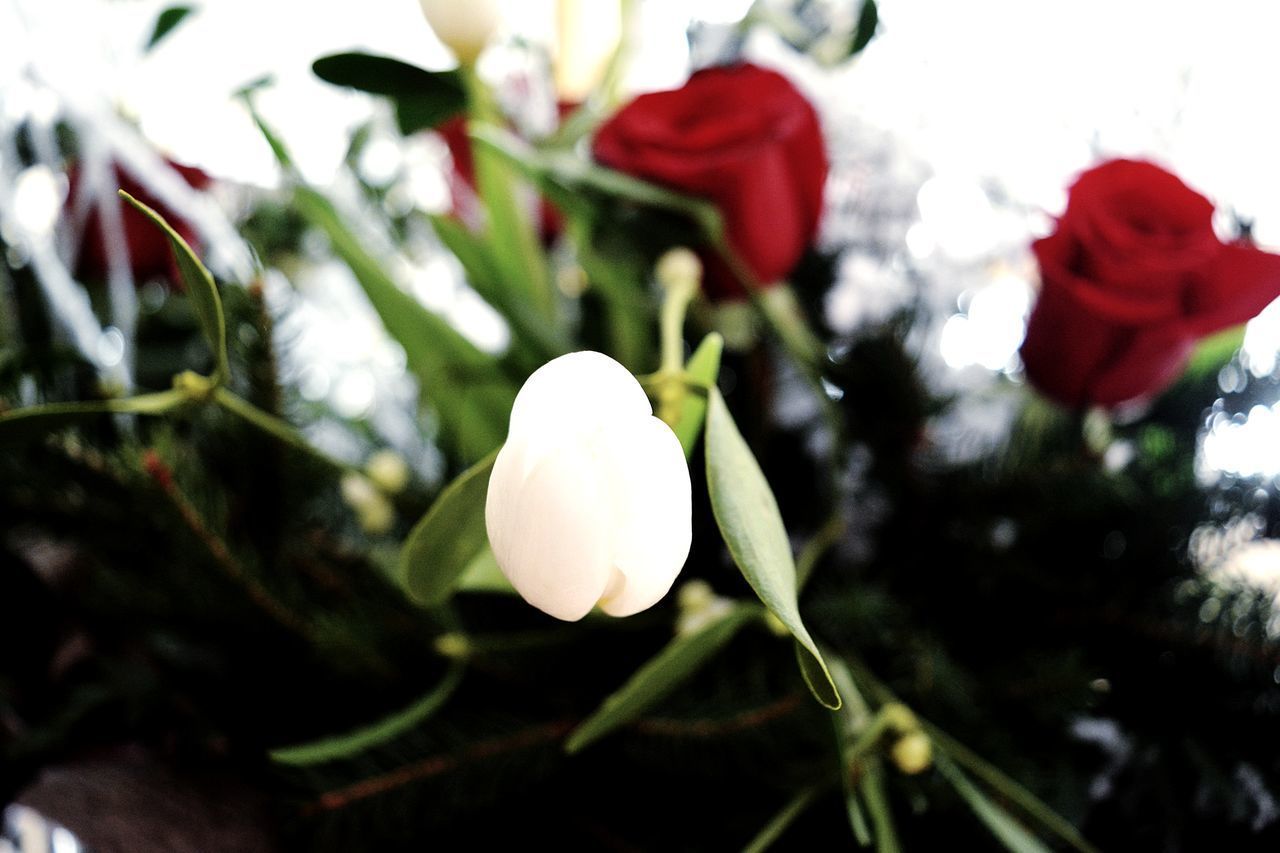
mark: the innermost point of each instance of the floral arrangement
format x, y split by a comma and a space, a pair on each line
634, 609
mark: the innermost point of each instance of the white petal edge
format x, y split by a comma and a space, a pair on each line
464, 27
650, 495
575, 393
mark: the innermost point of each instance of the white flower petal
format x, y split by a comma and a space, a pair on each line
647, 478
464, 27
575, 393
551, 533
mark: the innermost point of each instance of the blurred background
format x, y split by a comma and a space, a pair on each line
953, 138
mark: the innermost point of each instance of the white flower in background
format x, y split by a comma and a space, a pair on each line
589, 501
464, 26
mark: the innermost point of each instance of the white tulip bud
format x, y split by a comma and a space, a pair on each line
589, 501
465, 26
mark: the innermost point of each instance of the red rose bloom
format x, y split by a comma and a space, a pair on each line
1130, 280
743, 137
148, 248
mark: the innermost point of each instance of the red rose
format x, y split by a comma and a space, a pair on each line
148, 248
1130, 280
743, 137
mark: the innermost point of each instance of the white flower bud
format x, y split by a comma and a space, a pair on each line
465, 26
589, 501
388, 471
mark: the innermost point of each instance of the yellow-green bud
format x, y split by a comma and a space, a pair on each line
678, 267
374, 512
388, 471
912, 753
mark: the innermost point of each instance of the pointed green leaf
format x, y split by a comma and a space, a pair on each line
702, 369
509, 225
33, 422
868, 19
484, 275
876, 797
1008, 788
773, 830
356, 742
465, 386
423, 99
166, 22
1012, 834
200, 289
483, 575
449, 537
658, 678
748, 516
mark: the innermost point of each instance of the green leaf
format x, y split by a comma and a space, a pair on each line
166, 22
200, 289
483, 575
485, 276
748, 516
868, 19
857, 817
564, 176
508, 221
33, 422
423, 99
702, 368
773, 830
449, 537
1213, 353
465, 386
356, 742
658, 678
1012, 834
876, 797
851, 721
618, 272
1009, 789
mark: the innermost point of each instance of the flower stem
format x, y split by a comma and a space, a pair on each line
274, 427
516, 247
671, 388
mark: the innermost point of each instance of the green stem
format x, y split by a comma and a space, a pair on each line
796, 338
274, 427
611, 84
999, 782
671, 387
516, 245
877, 799
773, 830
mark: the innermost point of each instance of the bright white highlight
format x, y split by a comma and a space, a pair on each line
990, 332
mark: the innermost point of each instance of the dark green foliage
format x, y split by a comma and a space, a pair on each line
195, 589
